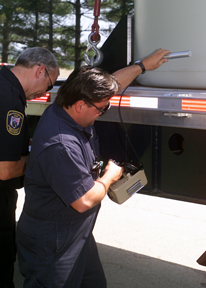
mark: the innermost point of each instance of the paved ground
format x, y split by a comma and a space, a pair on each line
149, 242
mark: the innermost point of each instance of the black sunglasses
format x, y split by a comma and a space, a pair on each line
51, 85
102, 111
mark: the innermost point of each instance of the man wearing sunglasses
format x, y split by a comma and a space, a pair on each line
56, 247
34, 73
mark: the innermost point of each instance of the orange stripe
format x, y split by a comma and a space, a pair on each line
195, 105
45, 98
125, 101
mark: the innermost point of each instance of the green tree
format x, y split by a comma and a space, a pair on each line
32, 23
45, 23
49, 26
9, 20
118, 9
75, 31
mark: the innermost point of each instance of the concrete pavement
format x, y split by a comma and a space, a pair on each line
148, 242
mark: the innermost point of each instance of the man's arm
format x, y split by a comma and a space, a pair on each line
13, 169
126, 75
95, 195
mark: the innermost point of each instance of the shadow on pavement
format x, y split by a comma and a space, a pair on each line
131, 270
126, 269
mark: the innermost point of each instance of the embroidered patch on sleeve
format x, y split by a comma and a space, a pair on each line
14, 121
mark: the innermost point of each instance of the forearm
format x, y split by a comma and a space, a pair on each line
95, 195
13, 169
99, 190
126, 75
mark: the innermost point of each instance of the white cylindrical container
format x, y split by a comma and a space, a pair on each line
176, 25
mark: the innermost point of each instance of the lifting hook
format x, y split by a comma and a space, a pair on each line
99, 55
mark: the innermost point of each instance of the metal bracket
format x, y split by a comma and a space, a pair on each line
178, 115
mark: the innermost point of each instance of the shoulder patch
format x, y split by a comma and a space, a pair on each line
14, 121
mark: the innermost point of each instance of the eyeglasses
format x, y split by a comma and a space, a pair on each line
102, 111
51, 85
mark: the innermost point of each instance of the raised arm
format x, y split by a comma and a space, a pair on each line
126, 75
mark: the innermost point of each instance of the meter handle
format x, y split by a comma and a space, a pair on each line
175, 55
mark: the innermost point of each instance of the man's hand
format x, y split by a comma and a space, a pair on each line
126, 75
95, 195
155, 60
114, 171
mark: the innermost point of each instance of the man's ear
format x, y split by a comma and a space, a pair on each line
40, 71
79, 106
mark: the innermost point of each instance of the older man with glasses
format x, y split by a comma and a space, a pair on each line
28, 79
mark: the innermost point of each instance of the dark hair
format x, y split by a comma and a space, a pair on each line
37, 56
87, 83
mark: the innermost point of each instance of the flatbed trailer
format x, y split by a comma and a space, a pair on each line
166, 126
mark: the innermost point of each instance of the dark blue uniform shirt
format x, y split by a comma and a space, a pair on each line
14, 129
59, 167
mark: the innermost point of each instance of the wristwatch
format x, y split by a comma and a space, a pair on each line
139, 62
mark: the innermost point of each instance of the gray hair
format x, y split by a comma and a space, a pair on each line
37, 56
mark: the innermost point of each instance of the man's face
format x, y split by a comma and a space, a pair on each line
45, 83
93, 111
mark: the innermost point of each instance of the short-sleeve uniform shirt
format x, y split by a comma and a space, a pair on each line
14, 128
59, 167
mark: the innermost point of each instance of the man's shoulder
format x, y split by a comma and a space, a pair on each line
10, 83
4, 81
7, 82
6, 75
9, 96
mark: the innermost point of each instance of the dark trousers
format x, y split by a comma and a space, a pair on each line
88, 271
8, 200
75, 263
